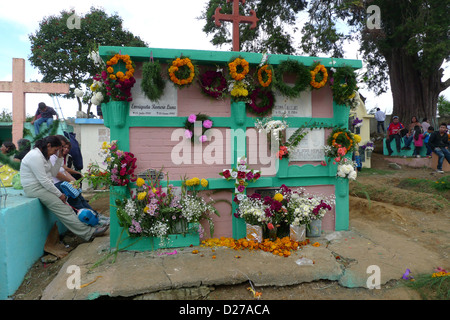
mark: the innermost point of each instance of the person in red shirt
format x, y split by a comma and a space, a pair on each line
394, 133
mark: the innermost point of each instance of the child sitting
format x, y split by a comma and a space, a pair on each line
418, 141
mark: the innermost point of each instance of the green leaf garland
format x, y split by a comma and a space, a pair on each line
302, 81
344, 85
153, 84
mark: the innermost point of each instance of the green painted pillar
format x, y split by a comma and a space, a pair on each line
115, 193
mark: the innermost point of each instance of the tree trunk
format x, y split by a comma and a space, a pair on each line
80, 105
413, 93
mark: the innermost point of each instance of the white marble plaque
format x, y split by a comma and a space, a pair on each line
166, 106
295, 107
311, 146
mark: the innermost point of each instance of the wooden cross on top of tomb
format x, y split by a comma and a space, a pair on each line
18, 87
236, 19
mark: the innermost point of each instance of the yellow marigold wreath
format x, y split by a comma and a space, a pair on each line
268, 71
233, 68
317, 69
120, 75
175, 67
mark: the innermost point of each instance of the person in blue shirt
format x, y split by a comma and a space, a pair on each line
43, 114
427, 135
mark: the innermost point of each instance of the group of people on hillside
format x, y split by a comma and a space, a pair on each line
43, 170
416, 134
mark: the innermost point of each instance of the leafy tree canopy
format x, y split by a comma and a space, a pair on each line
270, 34
60, 50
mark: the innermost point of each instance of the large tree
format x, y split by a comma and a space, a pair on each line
60, 47
271, 32
406, 50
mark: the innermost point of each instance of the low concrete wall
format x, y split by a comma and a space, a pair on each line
24, 226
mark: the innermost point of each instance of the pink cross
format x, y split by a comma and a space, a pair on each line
236, 19
19, 87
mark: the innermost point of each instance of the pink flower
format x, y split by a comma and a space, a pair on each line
192, 118
202, 138
207, 124
188, 134
342, 151
323, 163
337, 159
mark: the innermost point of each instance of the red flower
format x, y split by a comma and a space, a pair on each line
226, 174
241, 175
283, 151
270, 225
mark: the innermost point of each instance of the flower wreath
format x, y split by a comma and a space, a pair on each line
301, 83
153, 84
189, 126
241, 64
343, 85
182, 72
267, 71
267, 101
213, 84
341, 142
319, 84
119, 74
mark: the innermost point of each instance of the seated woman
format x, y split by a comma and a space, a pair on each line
64, 175
36, 172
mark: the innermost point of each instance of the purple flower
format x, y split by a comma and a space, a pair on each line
207, 124
249, 175
241, 188
192, 118
406, 275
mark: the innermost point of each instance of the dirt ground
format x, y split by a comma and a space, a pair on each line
404, 202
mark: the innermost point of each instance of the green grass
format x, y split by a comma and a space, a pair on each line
440, 186
372, 171
429, 288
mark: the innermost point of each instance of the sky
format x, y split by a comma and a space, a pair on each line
168, 24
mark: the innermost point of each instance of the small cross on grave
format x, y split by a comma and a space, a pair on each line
236, 19
242, 175
18, 87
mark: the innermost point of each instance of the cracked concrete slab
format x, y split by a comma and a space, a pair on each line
343, 256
